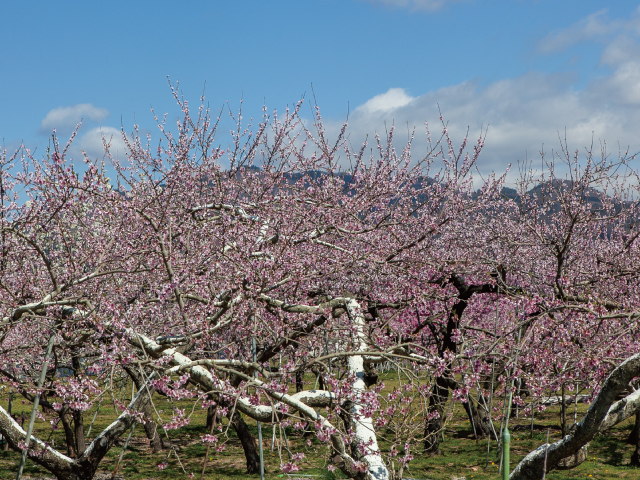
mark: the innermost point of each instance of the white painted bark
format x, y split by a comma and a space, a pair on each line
263, 413
304, 402
603, 413
11, 430
61, 465
621, 410
557, 400
362, 424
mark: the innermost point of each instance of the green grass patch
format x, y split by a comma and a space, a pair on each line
461, 455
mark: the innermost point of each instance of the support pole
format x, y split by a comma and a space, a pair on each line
506, 441
94, 418
532, 413
506, 437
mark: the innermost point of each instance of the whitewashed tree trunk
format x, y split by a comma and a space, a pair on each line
363, 425
603, 413
302, 402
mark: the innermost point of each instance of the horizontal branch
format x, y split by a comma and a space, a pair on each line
603, 411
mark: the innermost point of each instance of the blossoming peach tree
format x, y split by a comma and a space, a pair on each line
222, 275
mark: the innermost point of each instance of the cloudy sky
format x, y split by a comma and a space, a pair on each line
528, 69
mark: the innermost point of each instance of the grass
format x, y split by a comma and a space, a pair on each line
461, 455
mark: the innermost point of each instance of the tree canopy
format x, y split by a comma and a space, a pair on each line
221, 275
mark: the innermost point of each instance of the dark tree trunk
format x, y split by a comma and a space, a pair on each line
78, 424
68, 432
563, 413
635, 438
155, 441
440, 393
635, 433
85, 466
247, 439
76, 474
480, 421
433, 427
211, 414
299, 381
248, 443
150, 429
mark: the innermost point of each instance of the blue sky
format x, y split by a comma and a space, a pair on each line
526, 68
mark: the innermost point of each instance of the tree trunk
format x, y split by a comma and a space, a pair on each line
480, 421
68, 432
433, 426
635, 438
563, 414
361, 423
211, 413
150, 429
603, 413
78, 426
299, 381
635, 433
248, 443
440, 393
155, 441
84, 466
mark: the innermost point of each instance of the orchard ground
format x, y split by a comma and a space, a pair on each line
462, 456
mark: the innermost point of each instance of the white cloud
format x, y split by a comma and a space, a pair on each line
596, 26
622, 49
425, 5
66, 118
92, 142
530, 111
522, 113
392, 99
